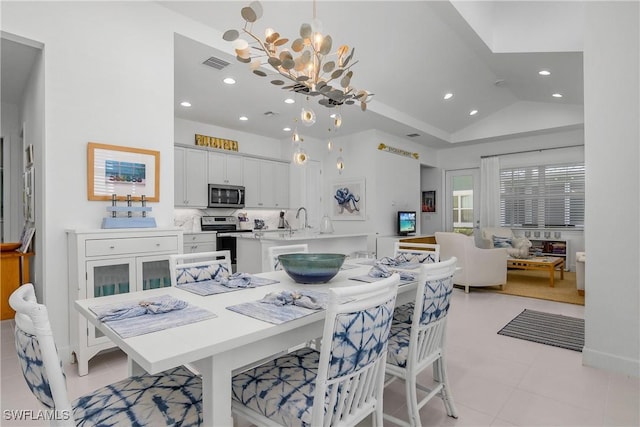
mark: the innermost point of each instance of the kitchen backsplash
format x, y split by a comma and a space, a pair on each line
189, 219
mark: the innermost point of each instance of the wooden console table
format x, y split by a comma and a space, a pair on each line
540, 263
15, 272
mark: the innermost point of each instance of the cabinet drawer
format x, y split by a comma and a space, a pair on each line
199, 238
192, 248
102, 247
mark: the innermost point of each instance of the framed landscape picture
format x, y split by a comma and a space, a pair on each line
348, 199
122, 171
429, 201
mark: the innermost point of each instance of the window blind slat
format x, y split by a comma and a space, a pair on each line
544, 195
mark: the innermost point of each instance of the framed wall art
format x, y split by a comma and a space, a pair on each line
122, 171
348, 199
429, 201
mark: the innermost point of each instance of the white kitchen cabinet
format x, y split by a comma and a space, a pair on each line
225, 169
113, 261
191, 180
266, 183
199, 242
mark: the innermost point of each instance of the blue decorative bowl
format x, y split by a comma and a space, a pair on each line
311, 268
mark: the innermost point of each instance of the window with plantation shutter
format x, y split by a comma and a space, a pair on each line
542, 196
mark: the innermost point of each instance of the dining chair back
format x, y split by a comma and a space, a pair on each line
339, 385
418, 341
198, 267
167, 398
417, 252
275, 251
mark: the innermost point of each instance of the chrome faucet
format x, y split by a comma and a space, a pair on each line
302, 208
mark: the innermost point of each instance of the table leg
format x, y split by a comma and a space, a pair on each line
552, 275
562, 267
216, 390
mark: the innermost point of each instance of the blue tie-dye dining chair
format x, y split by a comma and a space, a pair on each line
417, 342
339, 385
199, 267
423, 253
274, 251
171, 398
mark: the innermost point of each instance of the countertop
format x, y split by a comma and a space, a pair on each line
280, 235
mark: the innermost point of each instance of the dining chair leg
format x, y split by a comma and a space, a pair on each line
447, 398
412, 401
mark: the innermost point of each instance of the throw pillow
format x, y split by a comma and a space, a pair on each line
501, 242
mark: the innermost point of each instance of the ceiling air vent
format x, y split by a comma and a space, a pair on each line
413, 135
270, 113
216, 63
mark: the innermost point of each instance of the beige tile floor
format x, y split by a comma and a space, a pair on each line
496, 380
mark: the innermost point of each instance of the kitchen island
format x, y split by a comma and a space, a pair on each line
252, 247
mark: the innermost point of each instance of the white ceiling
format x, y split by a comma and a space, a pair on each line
410, 53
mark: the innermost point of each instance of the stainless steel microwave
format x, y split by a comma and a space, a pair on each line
225, 196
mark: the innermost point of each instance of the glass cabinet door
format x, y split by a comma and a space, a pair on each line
153, 272
104, 278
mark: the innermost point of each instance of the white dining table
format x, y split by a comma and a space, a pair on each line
219, 346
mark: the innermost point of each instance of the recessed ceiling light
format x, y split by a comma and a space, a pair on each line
229, 80
287, 129
244, 118
448, 95
544, 72
289, 101
473, 112
185, 104
557, 95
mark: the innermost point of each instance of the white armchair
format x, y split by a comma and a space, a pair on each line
478, 267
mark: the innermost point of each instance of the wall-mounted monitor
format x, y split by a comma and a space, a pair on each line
407, 222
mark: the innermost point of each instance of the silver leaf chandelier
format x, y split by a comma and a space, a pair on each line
309, 63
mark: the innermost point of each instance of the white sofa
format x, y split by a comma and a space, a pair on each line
487, 234
478, 267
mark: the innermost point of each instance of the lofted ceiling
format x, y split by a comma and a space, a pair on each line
410, 54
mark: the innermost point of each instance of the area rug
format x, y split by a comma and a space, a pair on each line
535, 284
546, 328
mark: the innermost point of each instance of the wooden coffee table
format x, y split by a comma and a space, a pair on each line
547, 263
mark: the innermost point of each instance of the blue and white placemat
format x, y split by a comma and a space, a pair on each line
278, 314
213, 287
147, 323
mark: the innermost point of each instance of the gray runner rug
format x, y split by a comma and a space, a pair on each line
546, 328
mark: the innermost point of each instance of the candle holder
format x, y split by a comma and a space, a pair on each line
130, 221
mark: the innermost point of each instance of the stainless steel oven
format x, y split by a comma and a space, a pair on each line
226, 226
225, 196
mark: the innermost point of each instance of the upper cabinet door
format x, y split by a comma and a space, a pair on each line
251, 175
190, 178
225, 169
217, 166
235, 170
281, 188
196, 178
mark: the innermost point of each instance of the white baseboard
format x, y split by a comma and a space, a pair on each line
610, 362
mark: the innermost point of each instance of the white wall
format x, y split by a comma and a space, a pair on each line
12, 184
109, 79
612, 135
431, 179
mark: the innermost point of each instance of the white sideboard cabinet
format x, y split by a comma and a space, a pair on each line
113, 261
